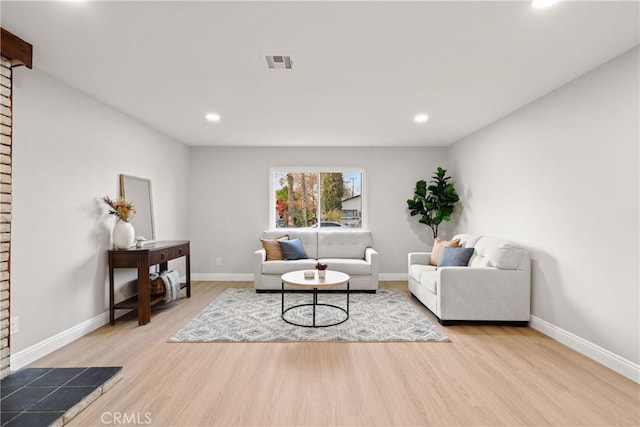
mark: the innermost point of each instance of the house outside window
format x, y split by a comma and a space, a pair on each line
316, 197
352, 211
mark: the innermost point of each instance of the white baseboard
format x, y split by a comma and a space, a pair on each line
222, 277
29, 355
601, 355
393, 276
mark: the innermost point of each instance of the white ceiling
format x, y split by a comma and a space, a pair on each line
361, 70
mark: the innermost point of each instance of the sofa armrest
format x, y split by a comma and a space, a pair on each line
370, 255
259, 257
373, 258
485, 291
419, 258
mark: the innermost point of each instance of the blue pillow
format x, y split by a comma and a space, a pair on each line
455, 257
292, 249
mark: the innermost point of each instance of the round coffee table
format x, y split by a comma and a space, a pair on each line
332, 279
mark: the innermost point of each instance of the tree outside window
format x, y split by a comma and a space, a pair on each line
317, 199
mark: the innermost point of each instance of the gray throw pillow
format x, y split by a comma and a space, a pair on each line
455, 257
292, 249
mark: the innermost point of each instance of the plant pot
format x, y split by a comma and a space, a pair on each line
123, 235
321, 274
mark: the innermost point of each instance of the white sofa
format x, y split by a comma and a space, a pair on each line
348, 251
495, 286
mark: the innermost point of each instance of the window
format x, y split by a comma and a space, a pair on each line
310, 197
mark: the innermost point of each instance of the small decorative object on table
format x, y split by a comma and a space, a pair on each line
322, 270
140, 242
123, 232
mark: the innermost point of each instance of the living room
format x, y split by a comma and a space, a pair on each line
555, 171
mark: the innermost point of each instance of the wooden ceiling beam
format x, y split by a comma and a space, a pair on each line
18, 51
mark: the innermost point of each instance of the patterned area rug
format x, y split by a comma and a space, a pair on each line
242, 315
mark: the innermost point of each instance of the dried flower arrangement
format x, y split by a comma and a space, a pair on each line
120, 208
320, 266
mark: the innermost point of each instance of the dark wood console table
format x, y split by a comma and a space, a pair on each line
142, 259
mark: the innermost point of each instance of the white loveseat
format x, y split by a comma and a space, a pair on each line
348, 251
495, 286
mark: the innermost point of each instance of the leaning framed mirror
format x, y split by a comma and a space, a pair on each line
138, 192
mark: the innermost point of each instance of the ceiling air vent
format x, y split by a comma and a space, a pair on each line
278, 62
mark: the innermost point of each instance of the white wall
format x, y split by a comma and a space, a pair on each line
229, 206
560, 176
68, 151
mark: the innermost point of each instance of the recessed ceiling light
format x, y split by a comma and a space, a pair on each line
540, 4
213, 117
420, 118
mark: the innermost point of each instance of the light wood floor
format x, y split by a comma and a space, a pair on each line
487, 375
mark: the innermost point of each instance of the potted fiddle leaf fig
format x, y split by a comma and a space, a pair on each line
435, 201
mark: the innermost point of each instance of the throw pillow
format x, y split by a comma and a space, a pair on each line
292, 249
438, 248
274, 253
455, 257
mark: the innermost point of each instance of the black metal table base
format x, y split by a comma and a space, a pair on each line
314, 304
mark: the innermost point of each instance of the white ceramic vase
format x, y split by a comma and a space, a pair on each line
123, 235
321, 274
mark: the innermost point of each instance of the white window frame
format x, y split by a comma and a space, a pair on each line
317, 170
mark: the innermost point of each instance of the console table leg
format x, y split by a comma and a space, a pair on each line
188, 261
144, 292
112, 310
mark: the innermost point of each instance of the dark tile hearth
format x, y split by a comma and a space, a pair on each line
23, 377
57, 377
62, 399
34, 419
36, 397
24, 398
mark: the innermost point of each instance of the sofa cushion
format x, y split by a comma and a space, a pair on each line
455, 257
494, 252
416, 270
428, 279
438, 248
467, 240
272, 247
292, 249
349, 266
281, 267
309, 238
343, 243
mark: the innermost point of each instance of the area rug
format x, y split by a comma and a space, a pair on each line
242, 315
